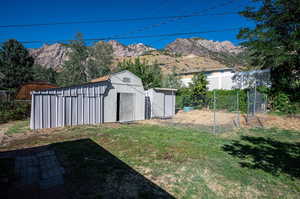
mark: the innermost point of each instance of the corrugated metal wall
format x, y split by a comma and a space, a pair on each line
162, 103
68, 106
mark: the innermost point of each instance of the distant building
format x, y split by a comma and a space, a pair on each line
228, 78
220, 78
24, 92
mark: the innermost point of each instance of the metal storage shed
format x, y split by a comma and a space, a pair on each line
162, 102
117, 97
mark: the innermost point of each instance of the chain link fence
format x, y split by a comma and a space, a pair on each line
221, 110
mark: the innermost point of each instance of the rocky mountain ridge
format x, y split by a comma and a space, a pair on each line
221, 54
198, 46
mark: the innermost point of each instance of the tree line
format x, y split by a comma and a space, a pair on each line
84, 63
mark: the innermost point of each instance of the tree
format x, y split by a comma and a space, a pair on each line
171, 80
199, 88
74, 69
275, 43
101, 56
85, 63
15, 64
150, 73
45, 74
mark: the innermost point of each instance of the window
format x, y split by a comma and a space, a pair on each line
126, 79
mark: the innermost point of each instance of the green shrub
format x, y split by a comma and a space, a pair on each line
280, 102
14, 111
183, 97
227, 99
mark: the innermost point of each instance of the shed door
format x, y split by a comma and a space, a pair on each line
169, 105
126, 110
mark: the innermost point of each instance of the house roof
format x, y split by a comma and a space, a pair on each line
39, 83
101, 79
205, 70
165, 89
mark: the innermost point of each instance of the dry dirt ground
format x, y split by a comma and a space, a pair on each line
206, 118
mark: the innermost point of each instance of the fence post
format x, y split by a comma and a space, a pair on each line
254, 103
248, 103
214, 128
238, 109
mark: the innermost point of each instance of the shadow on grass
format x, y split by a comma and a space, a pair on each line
93, 172
270, 155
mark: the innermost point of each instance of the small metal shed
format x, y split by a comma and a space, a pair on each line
117, 97
162, 102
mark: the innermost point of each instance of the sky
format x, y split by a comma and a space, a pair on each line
46, 11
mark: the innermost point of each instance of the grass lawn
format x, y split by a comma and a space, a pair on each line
144, 160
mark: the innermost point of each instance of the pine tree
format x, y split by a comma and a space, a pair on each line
44, 74
199, 88
101, 56
74, 69
171, 80
275, 42
15, 64
85, 63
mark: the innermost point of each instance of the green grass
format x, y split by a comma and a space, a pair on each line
18, 127
187, 163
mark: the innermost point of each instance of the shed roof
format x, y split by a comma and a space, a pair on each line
165, 89
101, 79
206, 70
108, 77
39, 83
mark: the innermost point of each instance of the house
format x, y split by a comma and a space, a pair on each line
117, 97
220, 78
228, 78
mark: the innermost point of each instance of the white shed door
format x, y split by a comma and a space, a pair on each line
126, 107
169, 105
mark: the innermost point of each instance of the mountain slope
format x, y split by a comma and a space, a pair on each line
50, 56
224, 52
183, 54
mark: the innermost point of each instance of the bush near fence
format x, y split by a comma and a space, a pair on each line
225, 100
13, 110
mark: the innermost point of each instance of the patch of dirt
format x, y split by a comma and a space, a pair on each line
282, 122
205, 118
226, 188
197, 117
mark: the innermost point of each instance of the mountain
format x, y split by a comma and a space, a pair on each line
50, 56
224, 52
131, 50
198, 46
183, 54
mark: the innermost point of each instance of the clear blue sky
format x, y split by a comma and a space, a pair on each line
47, 11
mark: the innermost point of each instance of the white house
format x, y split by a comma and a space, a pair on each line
228, 78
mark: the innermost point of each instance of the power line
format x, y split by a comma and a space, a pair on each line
114, 20
162, 39
135, 37
175, 18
